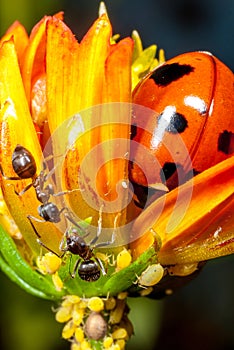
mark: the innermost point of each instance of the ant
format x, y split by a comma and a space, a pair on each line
88, 266
24, 166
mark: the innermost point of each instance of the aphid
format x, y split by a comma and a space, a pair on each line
151, 276
95, 326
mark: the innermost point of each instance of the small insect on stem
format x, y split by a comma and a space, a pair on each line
88, 266
95, 326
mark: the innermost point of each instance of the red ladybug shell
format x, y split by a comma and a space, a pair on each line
192, 95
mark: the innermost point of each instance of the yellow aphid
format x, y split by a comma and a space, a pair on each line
121, 343
77, 315
107, 342
49, 263
182, 269
122, 295
81, 305
151, 276
123, 259
79, 335
58, 283
70, 299
64, 314
85, 345
110, 303
120, 333
75, 346
68, 330
146, 291
95, 304
115, 347
117, 313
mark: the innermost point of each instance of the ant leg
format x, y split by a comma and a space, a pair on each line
101, 266
69, 218
35, 219
62, 193
99, 227
104, 244
8, 177
24, 190
73, 275
29, 217
63, 245
38, 240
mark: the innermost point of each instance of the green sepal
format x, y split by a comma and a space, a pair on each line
96, 345
125, 278
138, 47
111, 284
20, 272
143, 63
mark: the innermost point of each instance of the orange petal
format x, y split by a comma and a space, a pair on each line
62, 72
118, 72
207, 228
17, 128
33, 61
94, 49
20, 38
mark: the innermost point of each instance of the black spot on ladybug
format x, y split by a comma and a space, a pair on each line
226, 142
174, 122
167, 170
195, 172
133, 131
168, 73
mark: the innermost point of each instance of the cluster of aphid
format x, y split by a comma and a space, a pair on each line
92, 319
95, 319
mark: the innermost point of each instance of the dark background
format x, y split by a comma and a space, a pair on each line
201, 315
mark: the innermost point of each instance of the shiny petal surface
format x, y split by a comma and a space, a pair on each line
201, 230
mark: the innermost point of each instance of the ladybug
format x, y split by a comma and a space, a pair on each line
188, 125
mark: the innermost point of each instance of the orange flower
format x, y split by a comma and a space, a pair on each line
52, 63
66, 111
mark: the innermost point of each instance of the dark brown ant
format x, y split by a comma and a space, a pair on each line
88, 266
24, 166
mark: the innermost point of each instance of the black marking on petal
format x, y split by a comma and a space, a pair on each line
177, 123
168, 73
226, 142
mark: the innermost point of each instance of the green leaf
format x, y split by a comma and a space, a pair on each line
110, 284
125, 278
20, 272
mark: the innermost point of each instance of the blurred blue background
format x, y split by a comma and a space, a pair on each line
175, 25
202, 313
